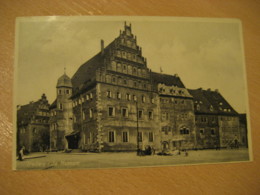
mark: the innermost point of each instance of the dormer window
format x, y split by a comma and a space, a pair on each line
211, 108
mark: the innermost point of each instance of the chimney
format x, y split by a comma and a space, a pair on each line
102, 47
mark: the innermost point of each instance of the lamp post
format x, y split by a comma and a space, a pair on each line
137, 129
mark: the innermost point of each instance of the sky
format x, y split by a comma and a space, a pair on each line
205, 53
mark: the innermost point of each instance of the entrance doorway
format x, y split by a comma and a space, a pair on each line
73, 140
165, 145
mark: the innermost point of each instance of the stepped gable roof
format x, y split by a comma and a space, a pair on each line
85, 75
166, 79
26, 112
64, 81
211, 102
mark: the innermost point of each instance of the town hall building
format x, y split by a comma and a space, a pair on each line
114, 102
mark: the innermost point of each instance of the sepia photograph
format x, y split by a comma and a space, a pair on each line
110, 92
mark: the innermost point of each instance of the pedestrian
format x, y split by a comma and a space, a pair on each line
20, 153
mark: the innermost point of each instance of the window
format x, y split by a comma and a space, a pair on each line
60, 106
82, 99
203, 119
143, 99
90, 95
125, 136
150, 136
109, 94
134, 97
152, 100
67, 91
83, 115
87, 97
211, 108
140, 114
134, 71
90, 113
34, 130
201, 131
125, 82
165, 116
128, 97
111, 111
212, 131
150, 114
113, 79
140, 136
124, 112
184, 131
198, 107
135, 84
59, 91
111, 136
118, 95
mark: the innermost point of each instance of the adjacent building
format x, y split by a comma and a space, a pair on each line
33, 129
217, 123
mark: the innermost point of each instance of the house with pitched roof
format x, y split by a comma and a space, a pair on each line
33, 125
217, 123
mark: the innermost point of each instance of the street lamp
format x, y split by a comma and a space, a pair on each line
137, 129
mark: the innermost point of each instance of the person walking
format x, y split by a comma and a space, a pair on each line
20, 153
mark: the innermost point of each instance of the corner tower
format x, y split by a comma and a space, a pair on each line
61, 114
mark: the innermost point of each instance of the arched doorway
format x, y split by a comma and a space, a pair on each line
73, 140
165, 145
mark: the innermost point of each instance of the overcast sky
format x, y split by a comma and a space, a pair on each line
205, 53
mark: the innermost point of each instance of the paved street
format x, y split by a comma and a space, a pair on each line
106, 160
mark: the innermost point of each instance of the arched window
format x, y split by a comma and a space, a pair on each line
118, 67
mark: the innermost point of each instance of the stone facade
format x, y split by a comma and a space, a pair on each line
61, 115
217, 123
119, 104
33, 125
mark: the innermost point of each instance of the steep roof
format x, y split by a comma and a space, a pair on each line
211, 102
54, 104
26, 112
166, 79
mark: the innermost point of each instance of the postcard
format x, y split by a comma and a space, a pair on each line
110, 92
